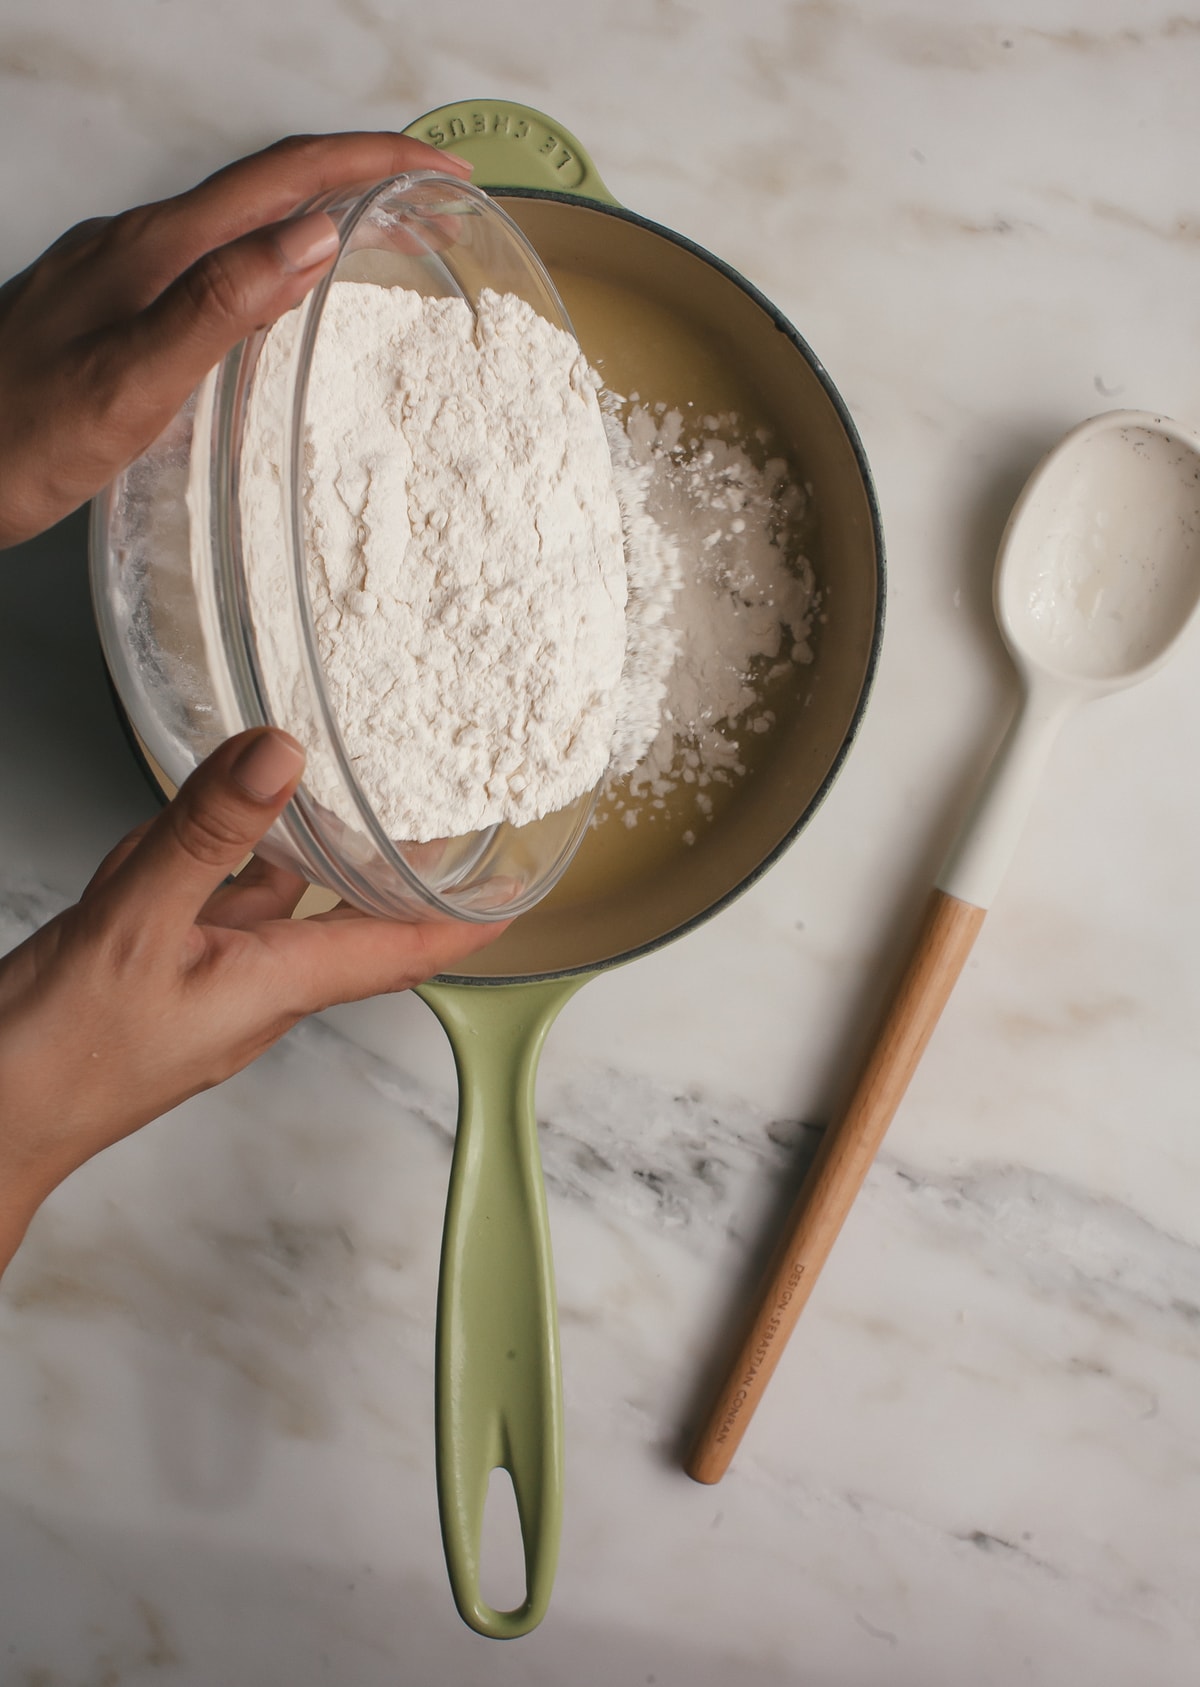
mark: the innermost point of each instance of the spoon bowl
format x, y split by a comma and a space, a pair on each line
1098, 571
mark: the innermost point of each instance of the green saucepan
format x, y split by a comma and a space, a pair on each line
660, 317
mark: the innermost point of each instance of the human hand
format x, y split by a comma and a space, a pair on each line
164, 980
103, 338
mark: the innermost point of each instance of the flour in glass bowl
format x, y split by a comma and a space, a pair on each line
465, 549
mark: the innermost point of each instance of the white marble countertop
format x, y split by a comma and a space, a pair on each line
980, 1458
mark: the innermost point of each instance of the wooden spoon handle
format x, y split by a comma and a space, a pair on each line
837, 1173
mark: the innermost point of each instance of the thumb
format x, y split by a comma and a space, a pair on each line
224, 296
214, 822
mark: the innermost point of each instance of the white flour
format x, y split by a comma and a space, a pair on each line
654, 576
745, 608
465, 555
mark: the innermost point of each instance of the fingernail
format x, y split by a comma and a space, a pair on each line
462, 163
268, 764
306, 241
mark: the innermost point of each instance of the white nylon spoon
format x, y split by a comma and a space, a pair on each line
1097, 576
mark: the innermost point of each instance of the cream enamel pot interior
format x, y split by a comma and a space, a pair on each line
659, 316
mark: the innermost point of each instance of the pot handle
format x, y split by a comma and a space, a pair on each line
513, 146
498, 1394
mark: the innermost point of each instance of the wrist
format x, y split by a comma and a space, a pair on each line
16, 1214
23, 1188
39, 1149
34, 1160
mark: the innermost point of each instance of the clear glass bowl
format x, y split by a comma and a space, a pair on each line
174, 606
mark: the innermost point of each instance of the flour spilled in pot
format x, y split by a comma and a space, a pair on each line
746, 603
516, 591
